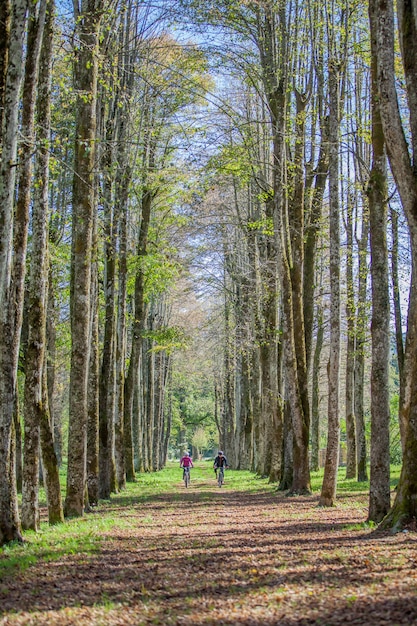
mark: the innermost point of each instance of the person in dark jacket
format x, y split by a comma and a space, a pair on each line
220, 461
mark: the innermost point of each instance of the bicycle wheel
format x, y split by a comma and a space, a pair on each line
186, 478
220, 478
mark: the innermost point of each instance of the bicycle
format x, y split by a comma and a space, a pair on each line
186, 476
220, 476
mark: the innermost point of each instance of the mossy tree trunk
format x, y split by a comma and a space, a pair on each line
381, 13
12, 30
379, 493
36, 389
34, 358
88, 19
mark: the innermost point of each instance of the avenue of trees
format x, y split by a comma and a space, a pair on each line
208, 216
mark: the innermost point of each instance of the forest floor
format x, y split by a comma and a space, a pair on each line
205, 556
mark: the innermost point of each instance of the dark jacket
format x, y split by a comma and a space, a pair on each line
220, 461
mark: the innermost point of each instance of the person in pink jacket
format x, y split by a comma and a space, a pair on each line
186, 461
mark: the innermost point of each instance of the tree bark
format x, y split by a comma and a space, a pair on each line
379, 492
36, 343
39, 277
351, 456
83, 207
138, 326
381, 14
5, 22
315, 396
328, 490
362, 323
92, 466
396, 293
107, 369
122, 187
9, 517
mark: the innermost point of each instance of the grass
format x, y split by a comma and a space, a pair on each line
351, 485
81, 536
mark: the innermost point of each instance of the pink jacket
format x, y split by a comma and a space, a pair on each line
186, 461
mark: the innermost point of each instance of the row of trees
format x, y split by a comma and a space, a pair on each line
144, 175
303, 158
91, 147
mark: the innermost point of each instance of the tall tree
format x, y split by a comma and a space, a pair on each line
36, 401
379, 494
87, 15
381, 13
288, 222
30, 505
328, 490
13, 60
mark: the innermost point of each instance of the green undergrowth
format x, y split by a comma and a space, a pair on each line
351, 485
54, 543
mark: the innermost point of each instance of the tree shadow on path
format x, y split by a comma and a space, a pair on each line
222, 558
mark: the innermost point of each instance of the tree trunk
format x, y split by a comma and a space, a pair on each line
9, 517
226, 418
137, 330
287, 472
312, 230
36, 342
362, 323
157, 430
55, 416
5, 22
289, 262
379, 492
381, 15
49, 460
245, 425
399, 341
92, 466
396, 293
315, 395
122, 187
18, 446
150, 414
277, 427
168, 409
351, 457
328, 490
49, 457
83, 207
107, 371
40, 250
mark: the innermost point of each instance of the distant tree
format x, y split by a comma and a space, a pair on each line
200, 440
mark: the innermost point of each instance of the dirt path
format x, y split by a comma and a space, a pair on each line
206, 556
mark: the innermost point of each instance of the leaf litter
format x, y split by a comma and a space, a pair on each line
226, 557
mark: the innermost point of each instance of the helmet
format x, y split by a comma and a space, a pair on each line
186, 454
220, 452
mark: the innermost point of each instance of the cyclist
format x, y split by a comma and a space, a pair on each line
220, 461
186, 461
